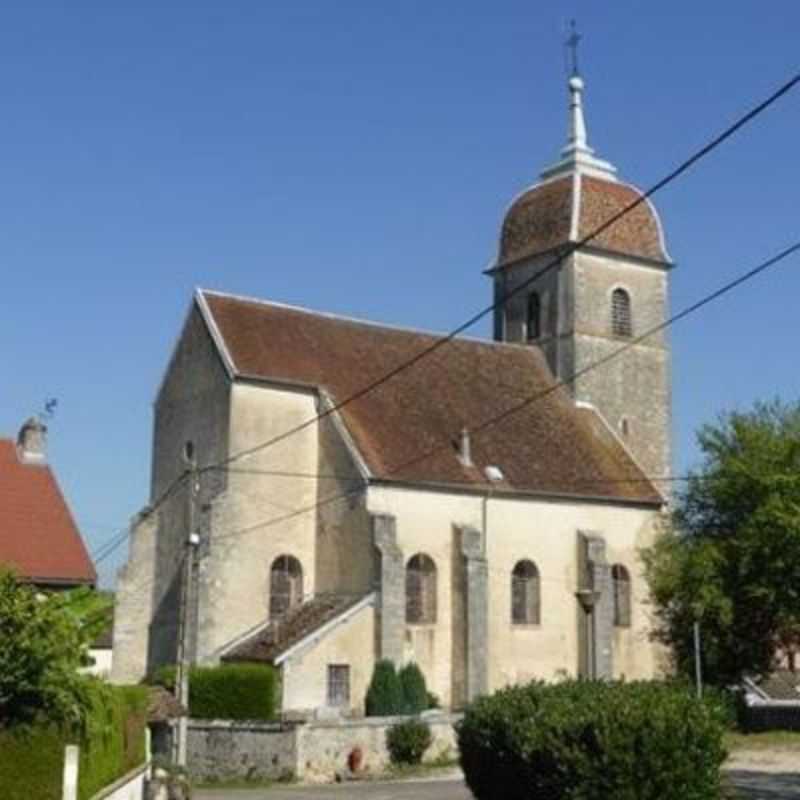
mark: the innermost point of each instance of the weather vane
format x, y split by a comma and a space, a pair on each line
571, 48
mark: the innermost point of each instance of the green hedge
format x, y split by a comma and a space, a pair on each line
32, 758
234, 691
582, 740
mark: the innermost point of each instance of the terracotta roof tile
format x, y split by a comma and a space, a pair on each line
38, 536
548, 446
278, 636
541, 220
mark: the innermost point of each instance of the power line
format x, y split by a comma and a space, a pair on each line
568, 251
498, 418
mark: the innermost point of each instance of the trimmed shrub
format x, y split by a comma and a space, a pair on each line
165, 676
234, 691
385, 694
587, 740
415, 693
32, 756
407, 741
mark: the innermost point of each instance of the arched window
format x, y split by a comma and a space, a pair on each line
285, 585
420, 590
525, 594
534, 319
621, 324
621, 581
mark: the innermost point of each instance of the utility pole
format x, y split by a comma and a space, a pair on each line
698, 669
187, 603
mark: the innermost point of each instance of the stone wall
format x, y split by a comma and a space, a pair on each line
314, 751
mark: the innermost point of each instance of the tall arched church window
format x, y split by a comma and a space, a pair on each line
534, 318
621, 324
420, 590
525, 594
621, 581
285, 585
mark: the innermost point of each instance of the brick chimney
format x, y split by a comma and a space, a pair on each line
32, 442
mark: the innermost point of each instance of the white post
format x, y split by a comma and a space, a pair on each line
70, 790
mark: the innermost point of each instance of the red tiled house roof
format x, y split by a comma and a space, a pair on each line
404, 429
38, 536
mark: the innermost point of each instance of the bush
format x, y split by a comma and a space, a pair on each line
165, 676
408, 741
412, 685
32, 756
587, 740
385, 694
234, 691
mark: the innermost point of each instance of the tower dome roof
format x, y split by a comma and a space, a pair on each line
576, 196
567, 208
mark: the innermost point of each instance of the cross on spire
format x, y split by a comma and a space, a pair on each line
571, 46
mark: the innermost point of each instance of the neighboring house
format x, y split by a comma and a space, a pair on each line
101, 649
39, 539
469, 514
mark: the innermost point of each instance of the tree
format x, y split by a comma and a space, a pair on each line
42, 647
730, 558
385, 694
412, 685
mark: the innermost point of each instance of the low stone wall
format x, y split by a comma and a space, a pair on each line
312, 751
771, 716
223, 750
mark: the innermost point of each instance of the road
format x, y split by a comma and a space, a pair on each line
751, 784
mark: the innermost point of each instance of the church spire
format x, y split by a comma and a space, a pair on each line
577, 156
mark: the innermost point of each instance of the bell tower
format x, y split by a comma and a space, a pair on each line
595, 300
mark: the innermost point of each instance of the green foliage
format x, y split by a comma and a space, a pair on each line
112, 744
91, 609
407, 741
412, 685
731, 556
42, 647
31, 762
234, 691
165, 676
385, 694
433, 700
580, 740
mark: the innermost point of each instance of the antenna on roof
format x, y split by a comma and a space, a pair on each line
49, 410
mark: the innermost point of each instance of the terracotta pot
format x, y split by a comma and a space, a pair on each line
355, 759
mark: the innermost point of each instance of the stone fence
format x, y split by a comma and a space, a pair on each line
311, 751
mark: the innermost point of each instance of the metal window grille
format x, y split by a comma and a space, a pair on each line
525, 594
534, 322
285, 586
622, 596
421, 590
339, 685
621, 324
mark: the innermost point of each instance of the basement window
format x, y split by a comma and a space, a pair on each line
339, 685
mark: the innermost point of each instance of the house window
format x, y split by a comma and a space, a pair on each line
534, 320
420, 590
285, 585
339, 685
621, 581
621, 324
525, 594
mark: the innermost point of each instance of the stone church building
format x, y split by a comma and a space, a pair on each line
479, 513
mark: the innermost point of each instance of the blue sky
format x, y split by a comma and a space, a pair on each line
357, 157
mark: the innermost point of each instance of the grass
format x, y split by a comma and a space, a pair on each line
779, 740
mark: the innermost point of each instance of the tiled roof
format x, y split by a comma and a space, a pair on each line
405, 429
278, 636
781, 685
38, 536
541, 219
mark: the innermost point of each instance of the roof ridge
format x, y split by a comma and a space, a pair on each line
360, 321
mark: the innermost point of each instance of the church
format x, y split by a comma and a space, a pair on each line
480, 512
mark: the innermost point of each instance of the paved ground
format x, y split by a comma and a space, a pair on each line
752, 784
